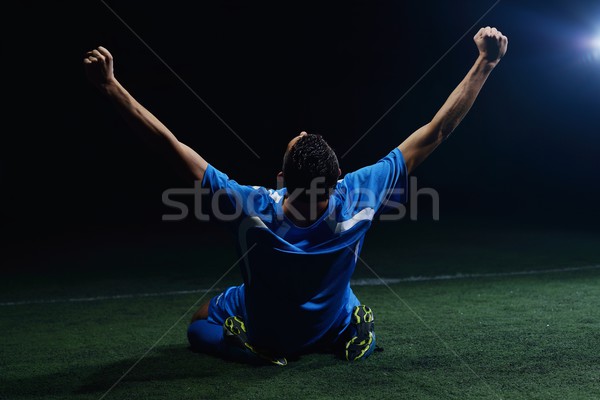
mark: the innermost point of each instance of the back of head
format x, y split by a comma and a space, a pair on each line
310, 168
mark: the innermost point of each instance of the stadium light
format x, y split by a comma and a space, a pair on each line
593, 49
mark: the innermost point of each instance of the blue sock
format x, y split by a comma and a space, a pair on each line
205, 337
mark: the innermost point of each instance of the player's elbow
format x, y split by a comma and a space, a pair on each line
438, 131
445, 131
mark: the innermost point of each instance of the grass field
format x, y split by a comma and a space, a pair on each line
499, 311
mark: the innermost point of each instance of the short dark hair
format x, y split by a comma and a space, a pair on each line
310, 158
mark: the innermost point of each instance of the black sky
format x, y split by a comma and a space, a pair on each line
528, 148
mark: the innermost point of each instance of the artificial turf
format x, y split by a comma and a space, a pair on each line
534, 336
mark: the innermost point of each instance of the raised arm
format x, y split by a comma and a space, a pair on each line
417, 147
99, 69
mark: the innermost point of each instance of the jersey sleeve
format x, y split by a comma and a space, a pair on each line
378, 187
226, 200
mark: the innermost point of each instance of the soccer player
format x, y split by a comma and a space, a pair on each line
298, 244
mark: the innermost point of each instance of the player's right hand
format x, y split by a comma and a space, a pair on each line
492, 44
99, 67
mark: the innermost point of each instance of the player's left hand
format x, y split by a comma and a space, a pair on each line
492, 44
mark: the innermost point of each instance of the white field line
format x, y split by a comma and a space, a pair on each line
354, 282
378, 282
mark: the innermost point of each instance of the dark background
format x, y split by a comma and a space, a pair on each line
69, 165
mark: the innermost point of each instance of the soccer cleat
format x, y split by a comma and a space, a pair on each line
234, 330
357, 346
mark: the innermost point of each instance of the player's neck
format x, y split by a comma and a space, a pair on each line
300, 212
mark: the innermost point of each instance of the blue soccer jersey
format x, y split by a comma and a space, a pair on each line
296, 292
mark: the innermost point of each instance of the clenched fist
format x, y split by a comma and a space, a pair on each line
99, 67
492, 44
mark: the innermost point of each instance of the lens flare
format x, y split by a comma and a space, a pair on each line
592, 52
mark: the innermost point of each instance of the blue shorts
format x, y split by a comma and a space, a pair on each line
228, 304
231, 302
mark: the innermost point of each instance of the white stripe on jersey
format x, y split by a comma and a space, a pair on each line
364, 214
275, 196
